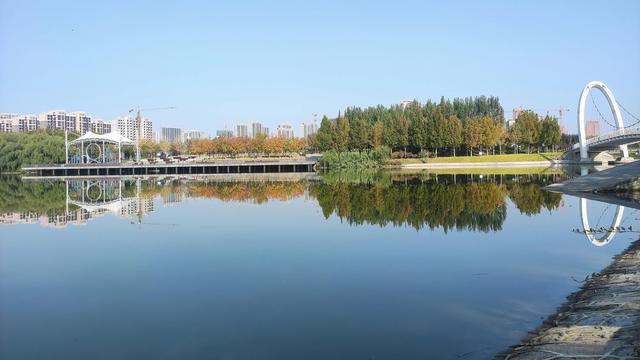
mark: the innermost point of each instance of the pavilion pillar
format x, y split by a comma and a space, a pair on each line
66, 147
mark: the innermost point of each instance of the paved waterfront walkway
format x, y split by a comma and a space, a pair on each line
483, 164
601, 321
606, 180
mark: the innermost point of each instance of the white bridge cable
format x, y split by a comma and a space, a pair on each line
622, 107
630, 114
599, 113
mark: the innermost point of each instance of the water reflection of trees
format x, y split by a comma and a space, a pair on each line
37, 197
461, 206
428, 200
463, 202
255, 192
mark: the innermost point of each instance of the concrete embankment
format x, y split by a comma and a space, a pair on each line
492, 164
622, 178
601, 321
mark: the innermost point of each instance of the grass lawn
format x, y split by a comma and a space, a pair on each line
548, 170
482, 158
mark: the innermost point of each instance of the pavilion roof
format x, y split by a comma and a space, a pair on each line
112, 138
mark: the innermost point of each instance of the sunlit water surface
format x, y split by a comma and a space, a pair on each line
349, 267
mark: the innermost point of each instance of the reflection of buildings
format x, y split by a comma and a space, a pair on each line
172, 197
136, 207
55, 219
86, 200
23, 217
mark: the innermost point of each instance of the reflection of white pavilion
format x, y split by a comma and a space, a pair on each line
105, 196
98, 148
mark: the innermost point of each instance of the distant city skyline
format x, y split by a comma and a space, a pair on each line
281, 62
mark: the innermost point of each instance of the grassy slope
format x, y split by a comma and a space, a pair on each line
483, 158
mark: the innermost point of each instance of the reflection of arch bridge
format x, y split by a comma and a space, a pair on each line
618, 138
608, 233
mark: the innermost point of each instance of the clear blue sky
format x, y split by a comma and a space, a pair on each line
228, 62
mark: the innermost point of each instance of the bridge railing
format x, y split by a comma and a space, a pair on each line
611, 135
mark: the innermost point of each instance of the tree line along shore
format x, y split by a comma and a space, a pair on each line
359, 137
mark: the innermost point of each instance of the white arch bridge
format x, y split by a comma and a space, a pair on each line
617, 139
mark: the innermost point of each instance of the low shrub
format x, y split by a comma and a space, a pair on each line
355, 159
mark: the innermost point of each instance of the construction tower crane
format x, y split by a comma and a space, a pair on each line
138, 110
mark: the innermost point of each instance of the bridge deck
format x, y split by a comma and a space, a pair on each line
182, 168
603, 180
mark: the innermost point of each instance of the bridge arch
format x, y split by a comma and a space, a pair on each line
608, 236
581, 120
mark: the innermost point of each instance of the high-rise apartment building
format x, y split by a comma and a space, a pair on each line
242, 131
224, 133
6, 122
10, 122
171, 134
147, 129
127, 127
99, 126
285, 130
5, 116
309, 129
56, 119
77, 121
517, 111
405, 103
81, 121
258, 128
25, 123
592, 128
188, 135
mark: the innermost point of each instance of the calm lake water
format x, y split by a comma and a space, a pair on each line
343, 266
